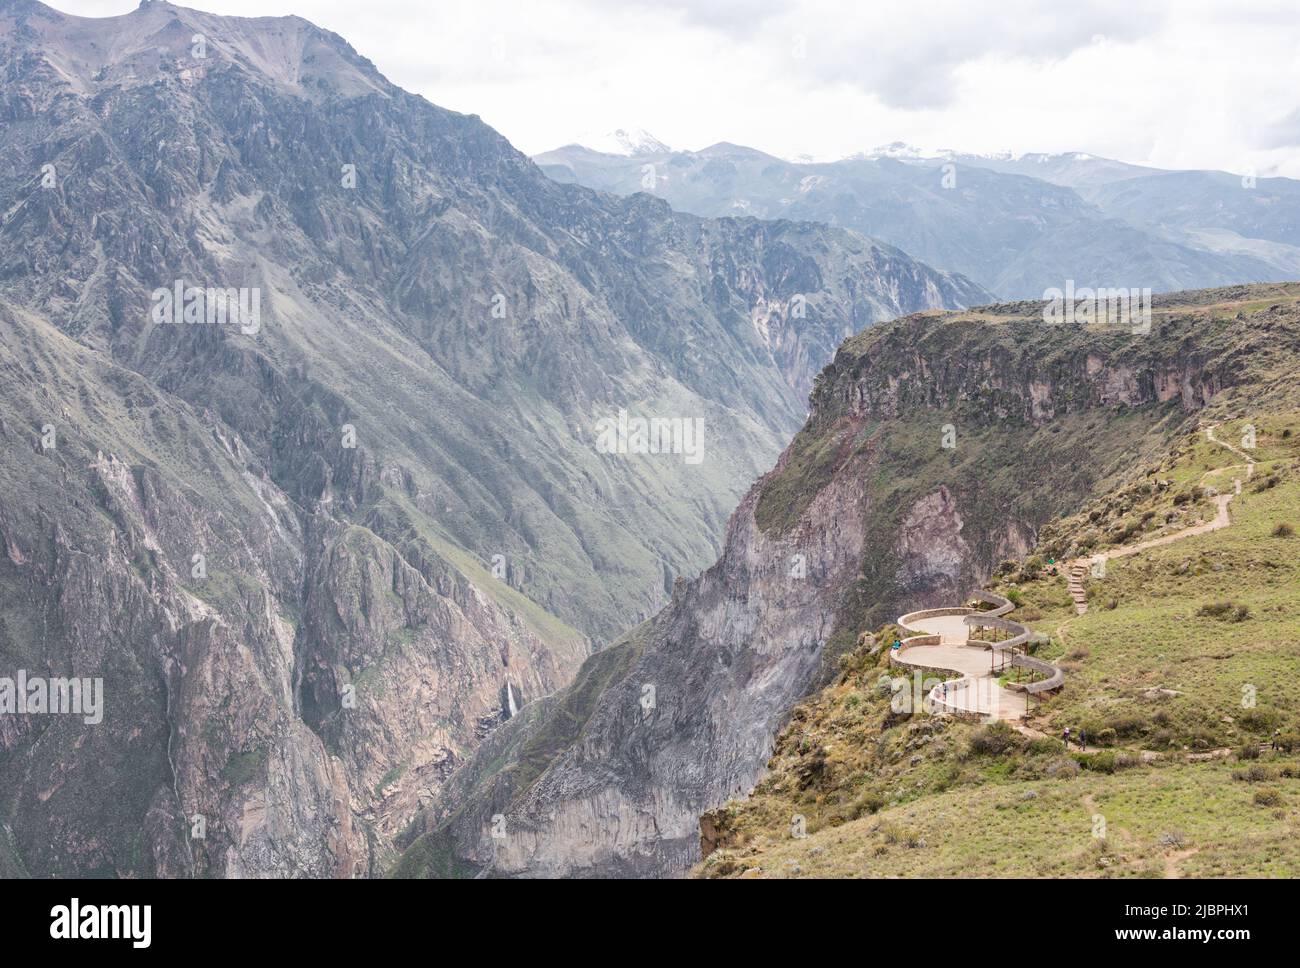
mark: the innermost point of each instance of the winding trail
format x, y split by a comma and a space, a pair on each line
1079, 568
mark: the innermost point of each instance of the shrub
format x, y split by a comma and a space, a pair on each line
1103, 762
872, 801
1224, 611
1257, 773
1283, 530
1045, 745
1268, 797
1161, 739
1289, 742
994, 740
1248, 752
1259, 719
1064, 767
1129, 726
1107, 737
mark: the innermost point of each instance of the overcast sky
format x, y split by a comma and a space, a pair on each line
1173, 83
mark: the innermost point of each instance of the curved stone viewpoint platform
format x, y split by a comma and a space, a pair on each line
943, 644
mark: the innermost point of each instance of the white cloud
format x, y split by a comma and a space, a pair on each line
1173, 83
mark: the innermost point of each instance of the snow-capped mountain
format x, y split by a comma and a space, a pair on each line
627, 142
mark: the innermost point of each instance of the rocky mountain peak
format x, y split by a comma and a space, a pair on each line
159, 39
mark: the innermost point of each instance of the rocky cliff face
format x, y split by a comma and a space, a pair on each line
938, 445
318, 553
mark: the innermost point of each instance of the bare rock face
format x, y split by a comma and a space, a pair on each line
932, 551
691, 719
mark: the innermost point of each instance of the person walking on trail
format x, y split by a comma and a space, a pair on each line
1083, 739
1277, 736
1066, 737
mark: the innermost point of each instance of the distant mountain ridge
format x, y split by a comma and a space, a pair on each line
1017, 224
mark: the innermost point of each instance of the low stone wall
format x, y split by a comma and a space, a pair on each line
1019, 633
1056, 676
939, 706
903, 620
896, 656
1000, 605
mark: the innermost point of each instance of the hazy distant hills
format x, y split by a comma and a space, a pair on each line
1017, 225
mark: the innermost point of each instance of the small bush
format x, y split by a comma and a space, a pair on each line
1283, 530
1129, 726
1162, 739
1268, 797
872, 801
1107, 737
994, 740
1224, 611
1045, 745
1259, 720
1254, 774
1248, 752
1103, 762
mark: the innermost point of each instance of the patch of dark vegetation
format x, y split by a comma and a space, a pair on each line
1225, 611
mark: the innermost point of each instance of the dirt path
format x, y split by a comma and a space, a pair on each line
1173, 860
1250, 461
1078, 569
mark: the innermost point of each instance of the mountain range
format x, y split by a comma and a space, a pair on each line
1018, 225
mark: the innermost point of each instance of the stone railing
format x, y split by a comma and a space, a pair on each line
1020, 636
1000, 605
896, 655
987, 620
939, 705
905, 620
1055, 675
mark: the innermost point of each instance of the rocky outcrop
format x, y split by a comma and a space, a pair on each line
690, 720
